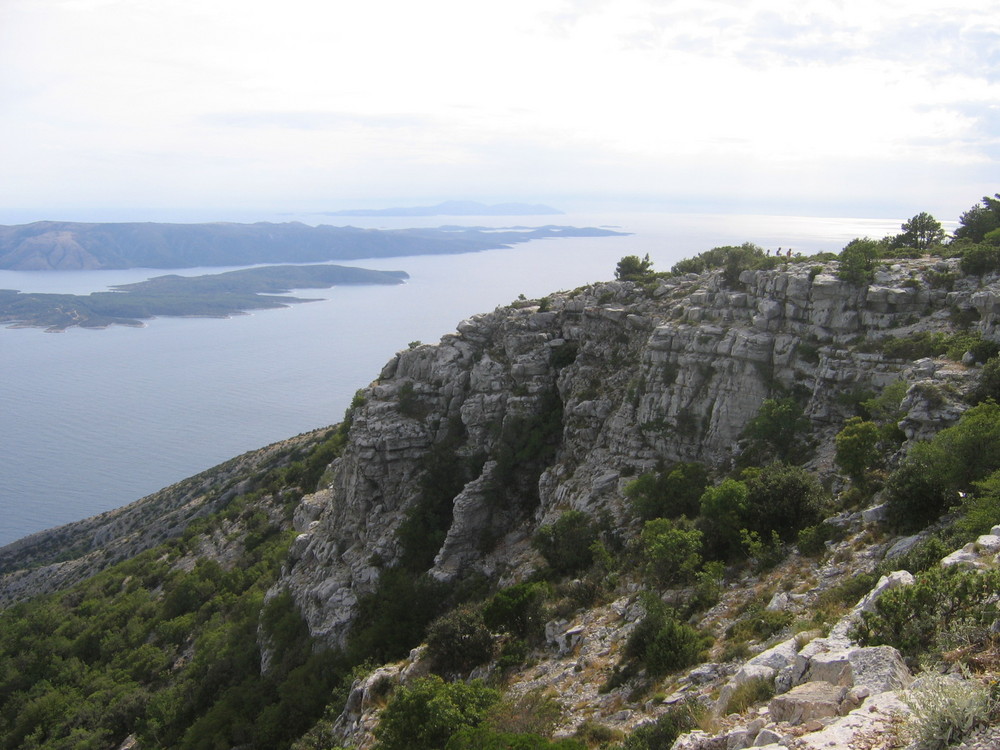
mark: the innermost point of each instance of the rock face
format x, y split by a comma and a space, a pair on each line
596, 386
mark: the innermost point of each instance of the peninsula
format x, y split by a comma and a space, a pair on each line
69, 246
212, 295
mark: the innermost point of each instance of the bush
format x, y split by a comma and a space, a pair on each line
671, 552
661, 734
776, 433
517, 610
426, 714
490, 739
980, 259
946, 709
857, 448
929, 480
911, 618
535, 712
750, 693
782, 499
668, 494
858, 260
812, 539
459, 640
723, 513
566, 544
988, 385
661, 643
633, 268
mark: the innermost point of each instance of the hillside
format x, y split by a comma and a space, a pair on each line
70, 246
636, 510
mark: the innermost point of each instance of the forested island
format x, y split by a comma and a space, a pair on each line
211, 295
69, 246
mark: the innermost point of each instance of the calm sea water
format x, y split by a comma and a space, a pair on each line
92, 420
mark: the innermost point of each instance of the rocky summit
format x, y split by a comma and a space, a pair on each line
451, 487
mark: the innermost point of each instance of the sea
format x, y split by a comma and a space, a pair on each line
91, 420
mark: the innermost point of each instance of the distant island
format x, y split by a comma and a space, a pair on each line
66, 246
213, 295
455, 208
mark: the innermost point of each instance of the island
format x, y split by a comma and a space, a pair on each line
211, 295
69, 246
455, 208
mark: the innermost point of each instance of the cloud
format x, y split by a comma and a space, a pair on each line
248, 101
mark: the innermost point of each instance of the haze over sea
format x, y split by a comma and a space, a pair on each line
92, 420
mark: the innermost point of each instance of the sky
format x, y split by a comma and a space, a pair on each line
159, 109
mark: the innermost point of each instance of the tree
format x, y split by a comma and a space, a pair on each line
565, 545
632, 268
427, 713
857, 260
782, 499
671, 551
776, 432
459, 640
857, 448
723, 514
921, 231
979, 221
670, 493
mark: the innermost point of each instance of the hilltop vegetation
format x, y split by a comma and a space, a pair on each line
617, 487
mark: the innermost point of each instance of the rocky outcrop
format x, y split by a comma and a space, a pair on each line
603, 383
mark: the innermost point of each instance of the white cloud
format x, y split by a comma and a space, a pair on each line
246, 101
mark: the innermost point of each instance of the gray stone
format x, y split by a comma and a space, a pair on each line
903, 546
767, 737
810, 700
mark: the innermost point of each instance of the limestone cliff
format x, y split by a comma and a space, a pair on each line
602, 383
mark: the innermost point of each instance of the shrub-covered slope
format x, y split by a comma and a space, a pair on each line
632, 510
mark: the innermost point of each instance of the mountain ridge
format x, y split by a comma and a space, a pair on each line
61, 245
454, 464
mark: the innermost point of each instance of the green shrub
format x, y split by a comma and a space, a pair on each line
911, 618
661, 643
782, 499
988, 383
723, 514
427, 713
662, 733
858, 260
566, 544
857, 448
517, 610
932, 475
812, 539
393, 619
671, 493
980, 259
633, 268
776, 434
671, 551
459, 640
758, 624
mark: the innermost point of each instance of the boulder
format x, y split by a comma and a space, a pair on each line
810, 700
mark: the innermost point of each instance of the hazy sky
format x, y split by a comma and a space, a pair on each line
849, 107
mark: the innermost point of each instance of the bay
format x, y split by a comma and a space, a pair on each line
92, 420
